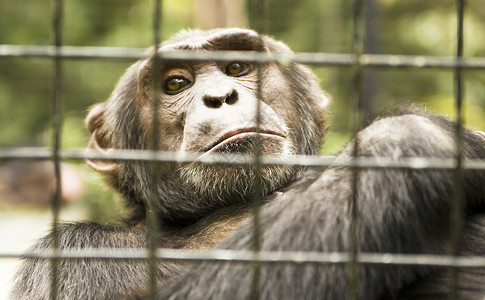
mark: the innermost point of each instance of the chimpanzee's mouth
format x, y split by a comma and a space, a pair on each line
235, 141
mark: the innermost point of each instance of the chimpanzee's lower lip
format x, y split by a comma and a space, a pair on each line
241, 134
224, 143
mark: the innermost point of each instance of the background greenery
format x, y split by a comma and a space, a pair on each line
410, 27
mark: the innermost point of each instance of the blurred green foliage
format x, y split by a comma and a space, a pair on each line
407, 27
410, 27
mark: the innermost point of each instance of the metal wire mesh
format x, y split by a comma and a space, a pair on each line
358, 60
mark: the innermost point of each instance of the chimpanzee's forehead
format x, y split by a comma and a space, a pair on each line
219, 39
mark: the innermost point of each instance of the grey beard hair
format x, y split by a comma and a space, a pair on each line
218, 183
225, 184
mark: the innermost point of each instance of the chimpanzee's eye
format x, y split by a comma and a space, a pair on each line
237, 69
174, 85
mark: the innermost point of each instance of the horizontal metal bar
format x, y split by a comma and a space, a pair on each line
73, 52
317, 59
418, 163
241, 256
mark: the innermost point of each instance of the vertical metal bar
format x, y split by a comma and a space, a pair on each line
458, 204
257, 199
56, 128
152, 215
356, 106
257, 13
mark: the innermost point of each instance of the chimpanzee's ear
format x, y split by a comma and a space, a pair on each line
99, 140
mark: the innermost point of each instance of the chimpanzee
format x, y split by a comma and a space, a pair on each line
210, 107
